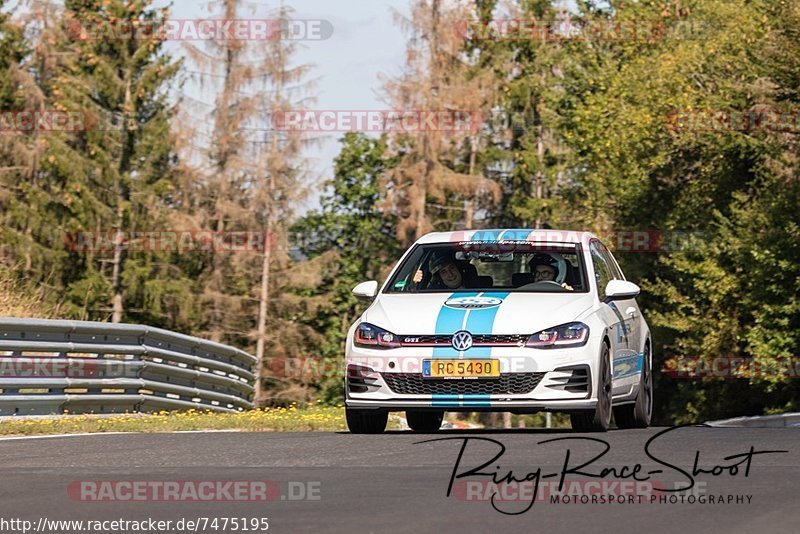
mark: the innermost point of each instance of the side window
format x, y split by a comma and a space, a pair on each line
410, 273
616, 273
602, 272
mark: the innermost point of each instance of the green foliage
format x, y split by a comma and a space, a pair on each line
733, 293
115, 171
128, 158
591, 141
351, 225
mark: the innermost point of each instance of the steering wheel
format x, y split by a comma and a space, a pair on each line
543, 284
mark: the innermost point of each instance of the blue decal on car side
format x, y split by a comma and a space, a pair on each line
628, 365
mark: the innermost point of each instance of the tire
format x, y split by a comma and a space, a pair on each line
598, 419
424, 421
638, 414
366, 421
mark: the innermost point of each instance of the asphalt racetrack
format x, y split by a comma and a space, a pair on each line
338, 482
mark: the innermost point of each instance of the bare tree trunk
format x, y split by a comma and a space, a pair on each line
122, 199
226, 149
469, 203
539, 173
28, 259
469, 213
262, 312
421, 220
265, 271
271, 208
506, 419
116, 272
495, 420
427, 149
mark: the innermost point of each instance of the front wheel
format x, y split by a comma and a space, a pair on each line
639, 414
598, 419
366, 421
424, 421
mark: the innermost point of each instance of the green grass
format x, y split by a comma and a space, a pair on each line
292, 419
312, 418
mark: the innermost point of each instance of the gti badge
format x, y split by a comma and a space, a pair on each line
462, 341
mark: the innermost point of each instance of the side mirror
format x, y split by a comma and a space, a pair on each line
366, 290
621, 290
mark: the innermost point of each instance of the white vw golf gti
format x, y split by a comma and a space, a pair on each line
515, 321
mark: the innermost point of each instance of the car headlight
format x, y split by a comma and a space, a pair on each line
566, 335
369, 335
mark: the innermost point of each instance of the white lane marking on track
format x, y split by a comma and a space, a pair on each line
15, 438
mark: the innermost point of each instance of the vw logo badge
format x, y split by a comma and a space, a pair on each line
462, 341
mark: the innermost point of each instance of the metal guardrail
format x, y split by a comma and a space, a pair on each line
52, 366
760, 421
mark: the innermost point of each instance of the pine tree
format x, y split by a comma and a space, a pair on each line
29, 239
283, 178
437, 78
532, 154
235, 71
352, 241
115, 175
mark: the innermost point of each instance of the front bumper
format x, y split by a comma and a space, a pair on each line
491, 405
532, 380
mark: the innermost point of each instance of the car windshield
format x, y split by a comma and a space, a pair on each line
508, 266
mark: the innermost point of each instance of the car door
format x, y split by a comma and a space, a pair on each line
612, 315
630, 308
628, 365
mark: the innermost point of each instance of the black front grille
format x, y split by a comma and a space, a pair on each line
496, 339
507, 384
477, 339
425, 340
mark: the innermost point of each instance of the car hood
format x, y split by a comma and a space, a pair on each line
515, 313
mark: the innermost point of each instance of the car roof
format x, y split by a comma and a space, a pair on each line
509, 234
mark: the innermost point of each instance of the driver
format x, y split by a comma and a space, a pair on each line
544, 273
547, 268
445, 271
